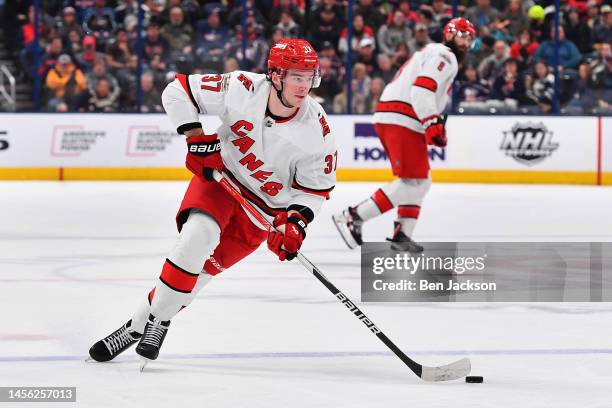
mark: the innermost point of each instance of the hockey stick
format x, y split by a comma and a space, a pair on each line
452, 371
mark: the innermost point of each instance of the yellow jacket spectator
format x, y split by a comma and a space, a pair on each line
65, 79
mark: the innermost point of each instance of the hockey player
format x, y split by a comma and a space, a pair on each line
407, 119
275, 146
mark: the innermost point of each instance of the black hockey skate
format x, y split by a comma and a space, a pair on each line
114, 344
154, 333
402, 242
348, 224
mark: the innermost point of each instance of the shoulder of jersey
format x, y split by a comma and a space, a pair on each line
316, 118
242, 81
439, 49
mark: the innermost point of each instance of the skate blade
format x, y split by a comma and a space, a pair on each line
345, 234
89, 360
143, 363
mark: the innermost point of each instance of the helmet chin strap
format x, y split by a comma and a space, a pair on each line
279, 94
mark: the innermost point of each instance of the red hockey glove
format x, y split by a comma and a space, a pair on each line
287, 239
204, 155
435, 133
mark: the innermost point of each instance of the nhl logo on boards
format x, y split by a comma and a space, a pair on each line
528, 143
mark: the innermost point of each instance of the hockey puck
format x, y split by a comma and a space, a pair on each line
474, 379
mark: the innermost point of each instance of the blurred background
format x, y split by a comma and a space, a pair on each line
117, 55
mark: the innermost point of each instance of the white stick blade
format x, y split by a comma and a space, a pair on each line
452, 371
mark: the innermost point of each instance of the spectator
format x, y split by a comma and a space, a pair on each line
513, 20
376, 88
601, 67
584, 99
99, 21
524, 49
492, 67
385, 69
602, 32
151, 97
482, 14
65, 82
421, 38
73, 44
101, 100
360, 30
129, 8
289, 28
578, 32
540, 88
119, 52
569, 56
99, 73
289, 7
426, 18
49, 59
371, 16
212, 39
230, 65
366, 55
510, 86
89, 55
360, 74
411, 16
327, 23
156, 49
472, 92
157, 8
330, 85
402, 54
235, 17
397, 31
257, 47
189, 8
441, 11
481, 48
358, 100
337, 65
68, 23
180, 39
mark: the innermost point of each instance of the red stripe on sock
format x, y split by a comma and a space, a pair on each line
151, 295
408, 211
177, 278
382, 201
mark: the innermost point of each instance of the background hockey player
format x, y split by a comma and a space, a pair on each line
407, 119
276, 148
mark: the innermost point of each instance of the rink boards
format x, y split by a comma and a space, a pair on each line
498, 149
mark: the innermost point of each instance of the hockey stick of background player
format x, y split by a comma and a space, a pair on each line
452, 371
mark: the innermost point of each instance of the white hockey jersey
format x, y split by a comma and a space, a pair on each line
420, 89
273, 163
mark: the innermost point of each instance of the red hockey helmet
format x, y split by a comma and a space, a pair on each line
294, 53
461, 27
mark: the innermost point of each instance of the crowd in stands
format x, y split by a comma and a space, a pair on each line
89, 62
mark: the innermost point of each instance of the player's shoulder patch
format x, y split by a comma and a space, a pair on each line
324, 125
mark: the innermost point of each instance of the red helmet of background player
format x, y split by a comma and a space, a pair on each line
294, 53
460, 26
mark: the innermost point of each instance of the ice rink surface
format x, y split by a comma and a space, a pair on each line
77, 257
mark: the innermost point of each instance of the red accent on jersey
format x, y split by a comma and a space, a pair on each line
324, 125
248, 84
177, 278
427, 83
253, 198
323, 193
382, 201
250, 161
243, 144
261, 175
288, 118
400, 107
408, 211
184, 81
240, 127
